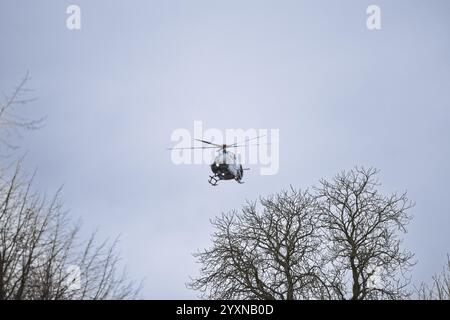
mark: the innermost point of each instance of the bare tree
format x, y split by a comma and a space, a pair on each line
341, 242
268, 251
11, 123
439, 289
41, 256
362, 229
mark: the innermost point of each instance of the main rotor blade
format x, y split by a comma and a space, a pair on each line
190, 148
208, 142
249, 145
246, 140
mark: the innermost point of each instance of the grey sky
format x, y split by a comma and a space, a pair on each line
340, 94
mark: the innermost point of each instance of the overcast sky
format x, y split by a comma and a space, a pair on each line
341, 95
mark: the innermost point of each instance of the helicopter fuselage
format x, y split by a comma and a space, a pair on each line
226, 167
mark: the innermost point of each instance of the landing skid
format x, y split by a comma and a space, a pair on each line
213, 180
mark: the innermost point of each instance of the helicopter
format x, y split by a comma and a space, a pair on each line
225, 165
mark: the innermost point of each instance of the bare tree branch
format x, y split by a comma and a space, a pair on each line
11, 123
265, 252
439, 289
362, 230
39, 246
